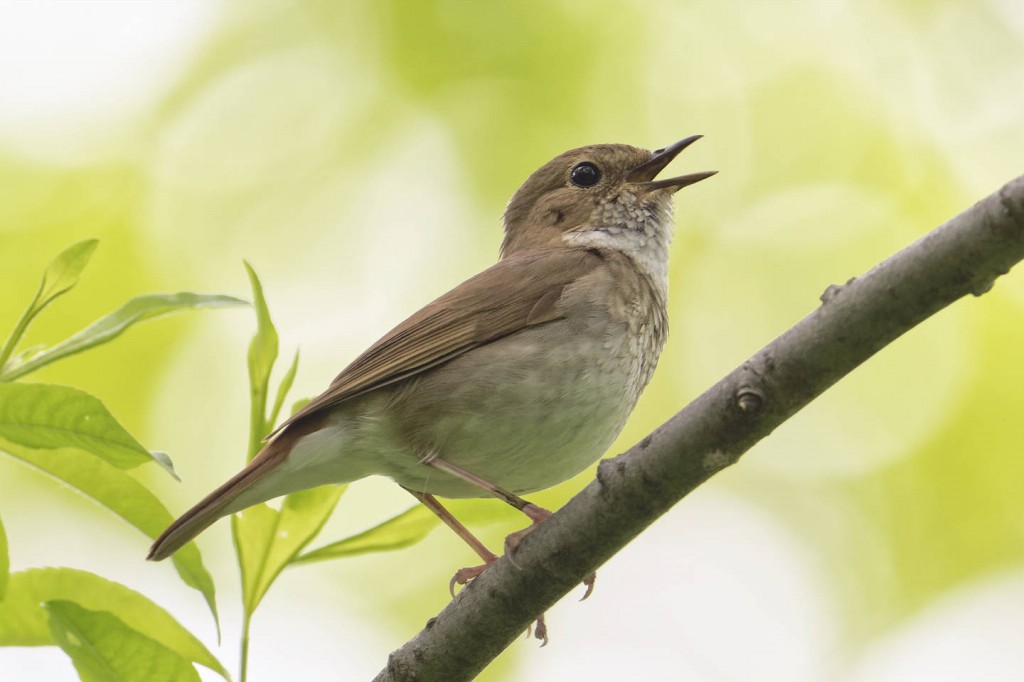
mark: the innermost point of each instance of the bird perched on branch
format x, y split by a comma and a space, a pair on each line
513, 381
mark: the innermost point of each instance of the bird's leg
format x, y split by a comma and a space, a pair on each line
463, 575
533, 512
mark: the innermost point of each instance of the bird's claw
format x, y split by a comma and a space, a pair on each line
539, 630
464, 575
588, 582
512, 540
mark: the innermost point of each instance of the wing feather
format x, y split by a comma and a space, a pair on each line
515, 293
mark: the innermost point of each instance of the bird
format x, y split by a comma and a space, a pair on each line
512, 382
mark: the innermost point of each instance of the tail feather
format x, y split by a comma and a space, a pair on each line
202, 515
222, 501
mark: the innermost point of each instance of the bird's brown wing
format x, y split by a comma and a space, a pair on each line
515, 293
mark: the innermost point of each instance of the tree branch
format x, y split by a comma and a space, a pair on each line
855, 320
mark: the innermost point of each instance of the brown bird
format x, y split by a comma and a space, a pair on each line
513, 381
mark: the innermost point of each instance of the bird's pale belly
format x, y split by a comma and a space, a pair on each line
518, 416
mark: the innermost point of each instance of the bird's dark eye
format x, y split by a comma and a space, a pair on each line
585, 174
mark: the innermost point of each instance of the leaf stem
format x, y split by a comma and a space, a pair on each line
16, 334
257, 423
243, 666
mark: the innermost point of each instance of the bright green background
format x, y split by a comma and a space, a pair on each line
359, 155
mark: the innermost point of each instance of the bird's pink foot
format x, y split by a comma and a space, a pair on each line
588, 582
539, 630
464, 575
536, 515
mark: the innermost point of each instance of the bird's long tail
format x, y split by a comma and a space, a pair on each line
225, 499
202, 515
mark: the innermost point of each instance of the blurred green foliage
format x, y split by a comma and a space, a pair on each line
360, 154
70, 435
102, 648
26, 622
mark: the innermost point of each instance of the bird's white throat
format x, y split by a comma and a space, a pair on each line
642, 231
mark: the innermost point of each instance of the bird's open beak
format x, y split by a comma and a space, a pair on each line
644, 174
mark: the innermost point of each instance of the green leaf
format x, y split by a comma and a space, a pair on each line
25, 354
282, 390
403, 530
104, 649
164, 460
60, 277
110, 326
23, 620
262, 354
121, 494
48, 416
267, 540
5, 562
64, 271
